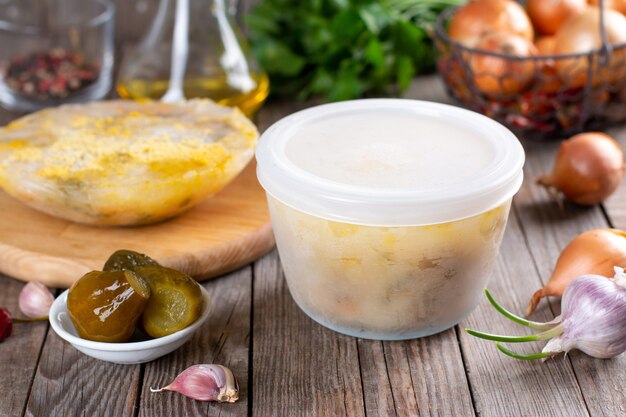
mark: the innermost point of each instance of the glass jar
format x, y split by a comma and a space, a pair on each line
388, 214
55, 52
214, 57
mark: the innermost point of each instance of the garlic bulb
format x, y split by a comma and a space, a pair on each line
592, 320
593, 317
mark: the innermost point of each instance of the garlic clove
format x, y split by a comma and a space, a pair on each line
205, 383
35, 300
555, 346
6, 325
595, 348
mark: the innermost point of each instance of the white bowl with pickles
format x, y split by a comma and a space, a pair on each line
133, 311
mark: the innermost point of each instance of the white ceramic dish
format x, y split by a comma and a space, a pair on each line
123, 353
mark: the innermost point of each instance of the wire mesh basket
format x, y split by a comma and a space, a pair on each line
548, 96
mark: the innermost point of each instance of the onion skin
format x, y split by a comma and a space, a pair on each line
548, 15
580, 34
501, 76
480, 16
619, 5
588, 168
548, 80
595, 252
545, 45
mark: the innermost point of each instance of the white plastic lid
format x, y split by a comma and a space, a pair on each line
389, 162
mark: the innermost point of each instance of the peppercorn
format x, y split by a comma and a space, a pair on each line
49, 75
6, 324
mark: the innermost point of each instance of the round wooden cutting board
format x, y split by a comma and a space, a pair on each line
221, 234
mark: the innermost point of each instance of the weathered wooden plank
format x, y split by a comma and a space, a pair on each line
19, 354
503, 386
377, 382
299, 367
422, 377
430, 88
602, 382
6, 116
68, 383
616, 204
427, 375
223, 340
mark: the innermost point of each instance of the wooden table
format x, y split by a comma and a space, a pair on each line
288, 365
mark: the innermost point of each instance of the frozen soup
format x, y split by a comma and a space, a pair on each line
388, 214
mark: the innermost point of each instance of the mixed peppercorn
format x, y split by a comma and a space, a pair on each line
49, 75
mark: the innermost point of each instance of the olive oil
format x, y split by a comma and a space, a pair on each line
215, 88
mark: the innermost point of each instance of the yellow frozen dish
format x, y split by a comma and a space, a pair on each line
387, 280
123, 162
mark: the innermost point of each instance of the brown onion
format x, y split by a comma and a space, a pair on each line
502, 76
619, 5
549, 15
581, 34
545, 45
479, 16
588, 168
548, 80
593, 252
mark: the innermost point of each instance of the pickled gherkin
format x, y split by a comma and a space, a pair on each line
176, 300
124, 259
106, 306
133, 291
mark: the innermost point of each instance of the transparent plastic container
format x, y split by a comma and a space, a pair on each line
388, 213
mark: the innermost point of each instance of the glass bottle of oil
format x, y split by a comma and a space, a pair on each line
217, 63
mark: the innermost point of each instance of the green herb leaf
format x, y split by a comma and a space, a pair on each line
405, 70
376, 18
374, 53
342, 49
276, 58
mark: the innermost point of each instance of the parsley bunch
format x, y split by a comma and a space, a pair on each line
343, 49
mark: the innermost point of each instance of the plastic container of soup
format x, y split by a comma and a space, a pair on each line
388, 214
